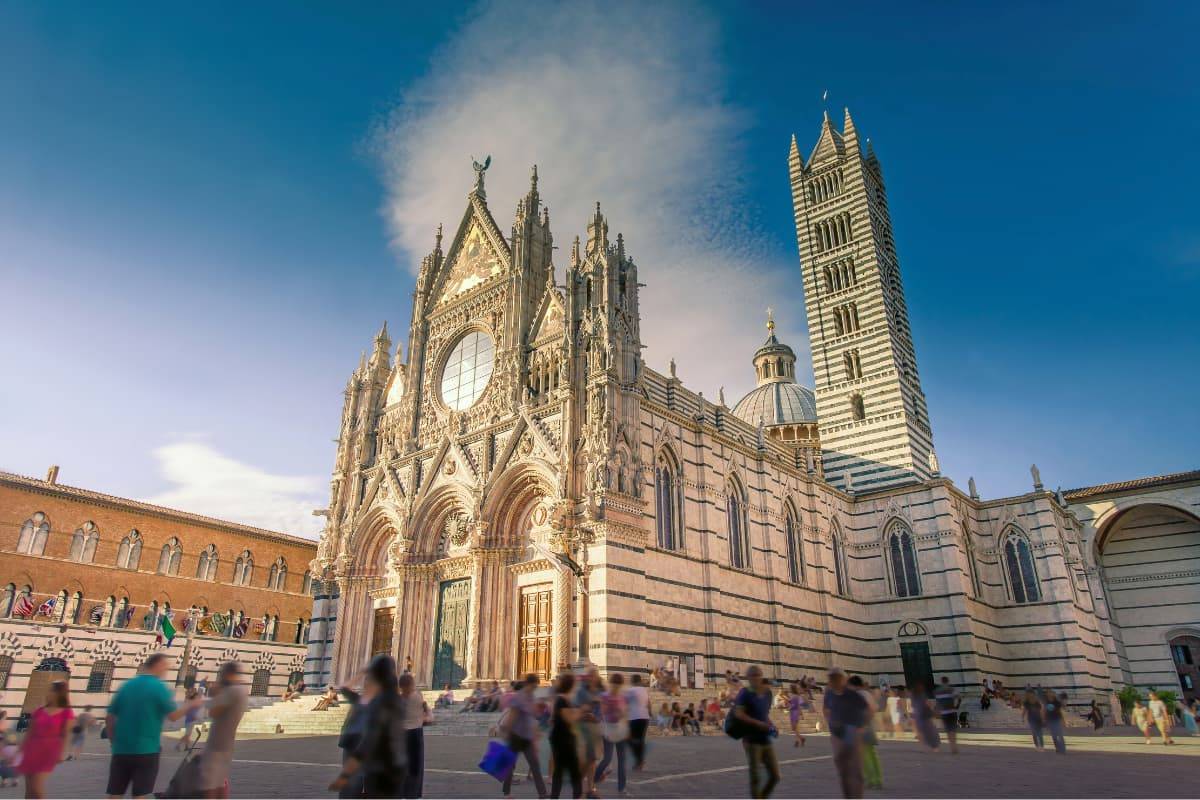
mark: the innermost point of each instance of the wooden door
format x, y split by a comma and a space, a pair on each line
450, 637
381, 631
535, 630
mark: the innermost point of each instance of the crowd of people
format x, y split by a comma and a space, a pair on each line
595, 728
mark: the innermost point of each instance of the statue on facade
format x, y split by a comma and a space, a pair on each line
479, 170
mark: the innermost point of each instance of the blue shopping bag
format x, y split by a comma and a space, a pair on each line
498, 761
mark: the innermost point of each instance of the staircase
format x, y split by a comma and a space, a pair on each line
297, 718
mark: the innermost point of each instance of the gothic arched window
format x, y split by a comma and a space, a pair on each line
857, 409
739, 534
972, 567
306, 583
243, 569
795, 546
839, 575
129, 553
277, 577
206, 567
170, 557
668, 488
1018, 563
902, 555
71, 614
84, 542
34, 534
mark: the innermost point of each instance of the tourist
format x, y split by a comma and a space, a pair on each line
752, 710
225, 710
872, 768
714, 715
445, 699
416, 716
294, 689
614, 724
587, 725
189, 720
1188, 713
521, 727
894, 708
1095, 716
922, 718
690, 719
664, 719
845, 713
795, 715
637, 703
134, 726
46, 739
1052, 712
408, 665
473, 700
10, 756
1031, 710
382, 753
351, 735
1162, 717
1141, 718
563, 746
79, 732
328, 700
946, 699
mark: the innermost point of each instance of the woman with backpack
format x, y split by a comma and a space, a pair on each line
614, 726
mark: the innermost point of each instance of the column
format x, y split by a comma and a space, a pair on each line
474, 649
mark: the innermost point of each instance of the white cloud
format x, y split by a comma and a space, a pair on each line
620, 103
207, 482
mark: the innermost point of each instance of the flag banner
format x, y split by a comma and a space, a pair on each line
187, 625
240, 630
23, 607
96, 615
168, 630
47, 608
129, 614
216, 624
258, 625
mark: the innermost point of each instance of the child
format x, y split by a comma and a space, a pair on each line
9, 755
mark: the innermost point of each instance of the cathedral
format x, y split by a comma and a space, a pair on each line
516, 490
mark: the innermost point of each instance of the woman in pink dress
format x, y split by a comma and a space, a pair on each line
44, 744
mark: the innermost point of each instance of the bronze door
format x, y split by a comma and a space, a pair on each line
381, 632
450, 637
535, 630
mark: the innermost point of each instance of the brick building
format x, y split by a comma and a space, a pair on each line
110, 562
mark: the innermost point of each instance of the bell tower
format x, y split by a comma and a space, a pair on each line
874, 424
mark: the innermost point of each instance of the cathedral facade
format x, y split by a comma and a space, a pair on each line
516, 490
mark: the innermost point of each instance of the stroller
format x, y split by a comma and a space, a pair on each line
186, 780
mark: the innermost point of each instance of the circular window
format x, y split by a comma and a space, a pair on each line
467, 370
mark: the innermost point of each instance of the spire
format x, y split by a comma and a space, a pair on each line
794, 156
597, 231
770, 322
849, 132
829, 143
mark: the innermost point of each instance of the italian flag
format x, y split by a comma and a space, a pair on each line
168, 630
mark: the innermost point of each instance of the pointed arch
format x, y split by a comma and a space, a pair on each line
129, 553
206, 567
1020, 571
737, 519
839, 567
243, 569
35, 532
170, 557
794, 536
902, 559
668, 500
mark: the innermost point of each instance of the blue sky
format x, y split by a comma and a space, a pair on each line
206, 212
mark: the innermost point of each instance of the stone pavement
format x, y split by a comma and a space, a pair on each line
988, 765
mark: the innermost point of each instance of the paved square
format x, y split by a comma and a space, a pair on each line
988, 765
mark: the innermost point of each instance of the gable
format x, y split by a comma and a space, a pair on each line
476, 261
550, 322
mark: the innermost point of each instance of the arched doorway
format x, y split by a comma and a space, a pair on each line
1143, 552
915, 656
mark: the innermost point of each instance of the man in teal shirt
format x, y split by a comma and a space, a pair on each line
135, 722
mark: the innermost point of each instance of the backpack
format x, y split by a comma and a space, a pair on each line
734, 727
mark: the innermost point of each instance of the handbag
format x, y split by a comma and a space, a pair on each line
499, 760
734, 727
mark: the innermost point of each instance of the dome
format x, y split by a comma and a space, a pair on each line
778, 403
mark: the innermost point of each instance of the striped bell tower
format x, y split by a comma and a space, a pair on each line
874, 424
